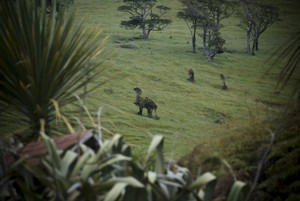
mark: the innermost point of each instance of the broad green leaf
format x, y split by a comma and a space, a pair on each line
128, 180
115, 192
53, 152
157, 139
171, 183
201, 194
237, 191
80, 163
89, 167
152, 177
115, 159
115, 140
201, 181
67, 160
83, 148
164, 189
157, 144
209, 189
107, 145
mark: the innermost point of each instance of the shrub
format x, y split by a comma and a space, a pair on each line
108, 174
43, 63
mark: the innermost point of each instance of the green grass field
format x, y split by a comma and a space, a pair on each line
188, 110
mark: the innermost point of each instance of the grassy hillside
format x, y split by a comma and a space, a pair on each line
188, 111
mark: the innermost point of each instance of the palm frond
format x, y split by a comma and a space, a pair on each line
42, 58
290, 72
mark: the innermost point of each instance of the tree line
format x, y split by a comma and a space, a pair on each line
203, 19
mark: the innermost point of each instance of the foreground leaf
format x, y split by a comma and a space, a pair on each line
237, 191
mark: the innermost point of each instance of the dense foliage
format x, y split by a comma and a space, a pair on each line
205, 19
258, 16
145, 15
43, 62
109, 173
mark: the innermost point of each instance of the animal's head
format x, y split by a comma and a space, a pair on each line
137, 90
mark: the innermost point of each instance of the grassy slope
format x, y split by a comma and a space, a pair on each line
187, 110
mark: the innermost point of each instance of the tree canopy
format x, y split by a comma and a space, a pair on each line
257, 17
143, 16
206, 15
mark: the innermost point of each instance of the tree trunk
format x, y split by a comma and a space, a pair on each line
148, 33
145, 33
255, 42
204, 41
209, 39
218, 20
253, 47
248, 41
194, 40
256, 45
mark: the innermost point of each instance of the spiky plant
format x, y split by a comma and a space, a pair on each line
42, 60
290, 73
280, 177
109, 174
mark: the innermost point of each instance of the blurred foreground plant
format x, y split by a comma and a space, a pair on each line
42, 64
109, 174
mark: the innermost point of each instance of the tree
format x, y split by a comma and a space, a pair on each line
267, 15
192, 14
257, 17
42, 63
216, 11
206, 15
197, 12
215, 45
222, 9
142, 16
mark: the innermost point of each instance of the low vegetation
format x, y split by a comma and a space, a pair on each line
108, 174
